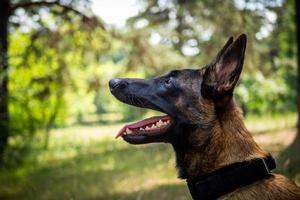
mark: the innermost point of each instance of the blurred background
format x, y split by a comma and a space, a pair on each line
58, 118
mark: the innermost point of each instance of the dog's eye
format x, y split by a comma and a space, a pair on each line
168, 82
174, 73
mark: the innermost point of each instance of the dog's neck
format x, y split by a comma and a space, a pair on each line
226, 142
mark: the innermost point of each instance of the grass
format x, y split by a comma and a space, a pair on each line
85, 162
270, 123
81, 165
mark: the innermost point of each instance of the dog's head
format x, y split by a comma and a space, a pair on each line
190, 97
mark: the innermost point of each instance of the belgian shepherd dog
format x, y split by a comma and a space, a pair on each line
215, 152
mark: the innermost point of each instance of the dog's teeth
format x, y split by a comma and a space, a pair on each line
124, 133
128, 131
147, 128
168, 121
153, 126
141, 129
158, 124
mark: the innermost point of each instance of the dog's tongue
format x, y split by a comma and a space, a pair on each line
143, 123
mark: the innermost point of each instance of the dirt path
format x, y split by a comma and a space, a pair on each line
275, 141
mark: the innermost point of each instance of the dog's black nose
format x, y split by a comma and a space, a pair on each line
116, 83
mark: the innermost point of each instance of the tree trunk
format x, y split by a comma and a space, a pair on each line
289, 161
297, 6
4, 115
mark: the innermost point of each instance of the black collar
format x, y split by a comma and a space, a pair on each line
230, 178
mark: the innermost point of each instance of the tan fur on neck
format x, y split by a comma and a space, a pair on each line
228, 142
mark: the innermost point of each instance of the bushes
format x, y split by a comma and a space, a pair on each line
259, 94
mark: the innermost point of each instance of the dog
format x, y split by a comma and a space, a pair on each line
214, 151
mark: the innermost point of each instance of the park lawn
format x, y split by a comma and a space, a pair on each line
86, 162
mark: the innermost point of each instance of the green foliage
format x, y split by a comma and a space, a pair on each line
61, 65
49, 77
260, 95
272, 88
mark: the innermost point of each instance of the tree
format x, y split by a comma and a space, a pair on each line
297, 7
4, 15
63, 11
289, 159
195, 28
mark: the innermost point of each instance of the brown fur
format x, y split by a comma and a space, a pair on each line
222, 139
230, 142
276, 187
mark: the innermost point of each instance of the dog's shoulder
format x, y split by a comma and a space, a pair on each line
275, 187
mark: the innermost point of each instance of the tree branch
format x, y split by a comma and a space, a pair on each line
28, 5
92, 21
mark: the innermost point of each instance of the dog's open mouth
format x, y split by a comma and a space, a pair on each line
153, 126
136, 92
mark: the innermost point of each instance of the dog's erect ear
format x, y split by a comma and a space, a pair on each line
227, 44
222, 76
